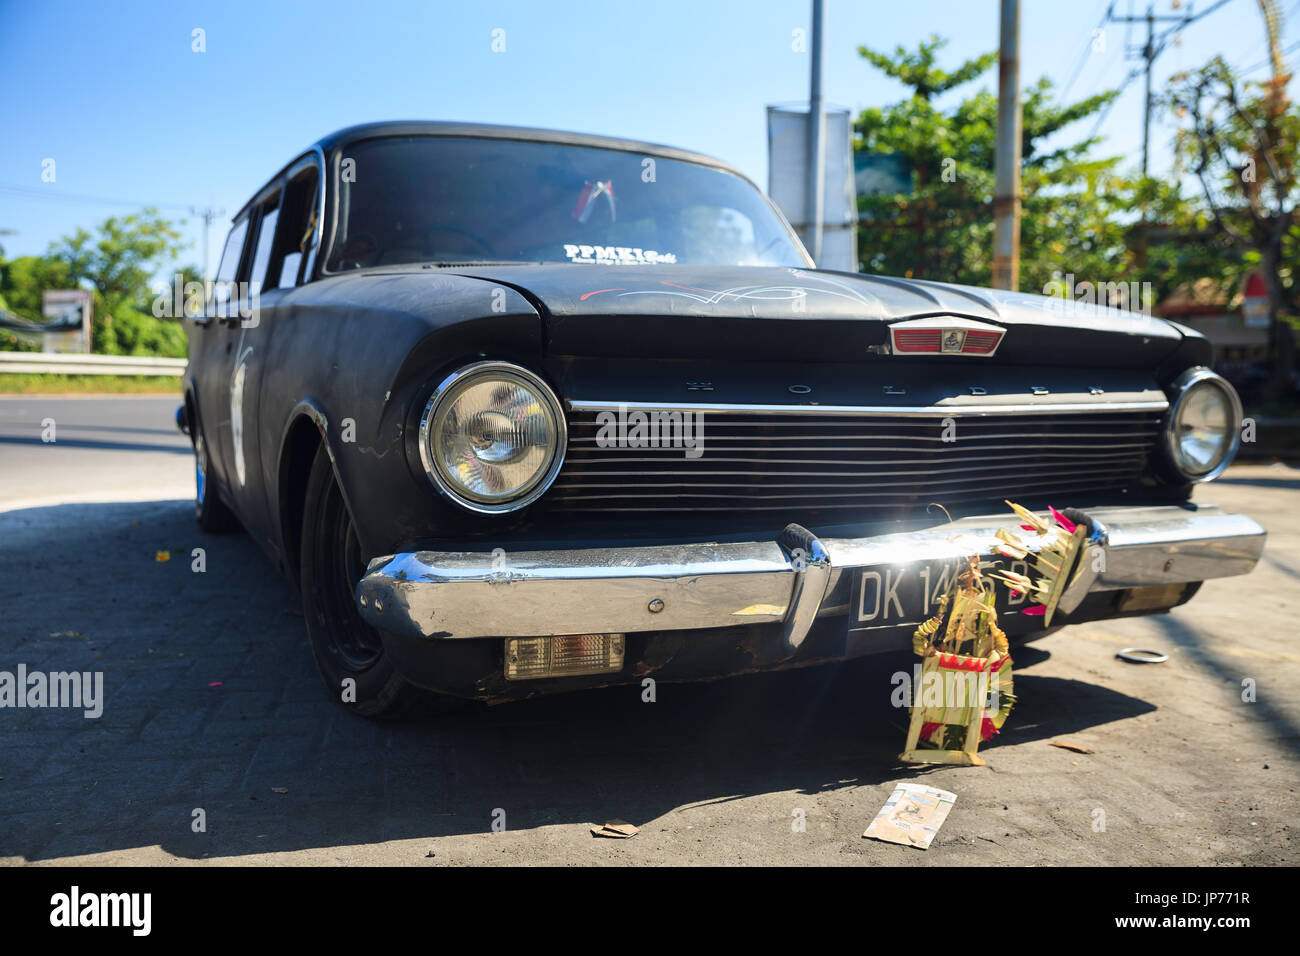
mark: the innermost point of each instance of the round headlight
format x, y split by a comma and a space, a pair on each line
492, 437
1204, 424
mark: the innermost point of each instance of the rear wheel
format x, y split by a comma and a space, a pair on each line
349, 652
209, 510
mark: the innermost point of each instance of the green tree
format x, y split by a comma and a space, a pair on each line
943, 228
917, 70
117, 262
10, 342
1242, 143
23, 280
1174, 243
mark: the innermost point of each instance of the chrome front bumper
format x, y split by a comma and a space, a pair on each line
475, 594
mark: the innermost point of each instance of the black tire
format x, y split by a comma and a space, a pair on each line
209, 510
344, 645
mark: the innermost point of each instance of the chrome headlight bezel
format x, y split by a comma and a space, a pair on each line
1185, 385
452, 386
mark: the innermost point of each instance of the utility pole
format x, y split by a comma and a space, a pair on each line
1153, 47
208, 215
816, 140
1006, 155
1148, 54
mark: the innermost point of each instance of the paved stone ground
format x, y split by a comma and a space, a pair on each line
1185, 772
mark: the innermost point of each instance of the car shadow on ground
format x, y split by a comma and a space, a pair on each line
213, 712
1287, 481
101, 444
1202, 649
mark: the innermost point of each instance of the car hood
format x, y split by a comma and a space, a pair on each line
682, 311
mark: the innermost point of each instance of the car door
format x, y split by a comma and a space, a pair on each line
281, 258
210, 349
249, 329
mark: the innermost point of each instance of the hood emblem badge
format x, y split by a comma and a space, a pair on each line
945, 335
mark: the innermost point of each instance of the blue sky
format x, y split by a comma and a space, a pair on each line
113, 93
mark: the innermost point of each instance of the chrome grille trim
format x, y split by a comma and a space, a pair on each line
889, 411
856, 458
916, 451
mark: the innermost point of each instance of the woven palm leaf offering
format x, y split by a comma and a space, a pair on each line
965, 692
1052, 553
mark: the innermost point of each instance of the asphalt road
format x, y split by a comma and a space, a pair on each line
212, 704
119, 448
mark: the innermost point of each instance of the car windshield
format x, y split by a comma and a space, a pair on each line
456, 200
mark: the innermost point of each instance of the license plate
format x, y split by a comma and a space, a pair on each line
907, 594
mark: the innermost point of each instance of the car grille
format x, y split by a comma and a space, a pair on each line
810, 464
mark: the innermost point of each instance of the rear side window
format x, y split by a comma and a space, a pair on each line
228, 270
295, 243
262, 257
230, 254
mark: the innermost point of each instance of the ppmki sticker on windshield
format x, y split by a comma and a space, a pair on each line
616, 255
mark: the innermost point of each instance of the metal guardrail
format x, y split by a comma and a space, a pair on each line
56, 363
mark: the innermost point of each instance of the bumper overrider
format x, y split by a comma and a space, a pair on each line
791, 580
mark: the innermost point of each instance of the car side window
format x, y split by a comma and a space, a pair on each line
222, 291
262, 257
295, 243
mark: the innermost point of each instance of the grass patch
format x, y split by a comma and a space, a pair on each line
22, 384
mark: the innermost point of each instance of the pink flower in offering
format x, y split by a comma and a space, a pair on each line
1062, 520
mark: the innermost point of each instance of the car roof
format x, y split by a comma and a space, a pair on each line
353, 134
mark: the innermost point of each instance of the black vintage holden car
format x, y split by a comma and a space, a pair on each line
521, 411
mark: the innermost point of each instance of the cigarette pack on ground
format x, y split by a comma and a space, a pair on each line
912, 815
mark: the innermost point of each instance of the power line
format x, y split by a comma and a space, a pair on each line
38, 192
1087, 48
1268, 60
1133, 75
1099, 82
1153, 47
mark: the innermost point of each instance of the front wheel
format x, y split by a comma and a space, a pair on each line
349, 652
